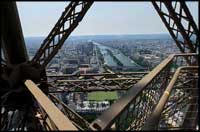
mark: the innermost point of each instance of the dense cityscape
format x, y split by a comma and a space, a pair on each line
96, 54
86, 65
101, 54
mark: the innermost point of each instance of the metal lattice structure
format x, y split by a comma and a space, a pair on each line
180, 24
93, 82
68, 21
150, 86
163, 96
179, 103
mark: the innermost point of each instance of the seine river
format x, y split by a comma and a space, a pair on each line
125, 60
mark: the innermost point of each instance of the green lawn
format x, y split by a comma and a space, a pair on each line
101, 96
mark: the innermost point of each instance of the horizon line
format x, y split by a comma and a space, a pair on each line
107, 35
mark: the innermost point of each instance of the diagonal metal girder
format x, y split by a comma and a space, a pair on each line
180, 24
68, 21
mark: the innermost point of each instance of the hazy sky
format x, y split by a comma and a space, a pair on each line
38, 18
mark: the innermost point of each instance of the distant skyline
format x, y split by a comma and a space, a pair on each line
103, 18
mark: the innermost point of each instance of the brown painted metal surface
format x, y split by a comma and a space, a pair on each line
60, 120
15, 51
75, 118
153, 121
109, 117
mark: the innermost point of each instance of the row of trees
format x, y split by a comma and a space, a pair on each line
114, 58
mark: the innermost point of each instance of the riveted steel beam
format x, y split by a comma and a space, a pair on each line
12, 37
180, 24
68, 21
